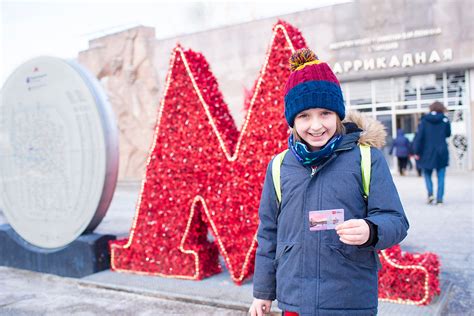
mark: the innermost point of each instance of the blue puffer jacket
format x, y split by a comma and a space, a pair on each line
430, 141
313, 272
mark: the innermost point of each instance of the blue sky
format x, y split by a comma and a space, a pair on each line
62, 28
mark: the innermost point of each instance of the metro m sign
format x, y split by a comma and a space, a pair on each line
203, 175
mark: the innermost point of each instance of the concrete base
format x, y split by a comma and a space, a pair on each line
86, 255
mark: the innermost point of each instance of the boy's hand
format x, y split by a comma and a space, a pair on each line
260, 307
353, 232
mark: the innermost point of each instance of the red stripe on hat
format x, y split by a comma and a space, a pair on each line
320, 72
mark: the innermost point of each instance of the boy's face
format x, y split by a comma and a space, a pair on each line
316, 126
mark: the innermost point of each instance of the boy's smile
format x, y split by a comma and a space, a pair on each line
316, 126
316, 135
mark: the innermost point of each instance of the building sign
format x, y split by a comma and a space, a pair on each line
394, 61
386, 43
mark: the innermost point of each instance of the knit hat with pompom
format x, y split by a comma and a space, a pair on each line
311, 84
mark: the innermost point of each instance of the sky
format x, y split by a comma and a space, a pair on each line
62, 28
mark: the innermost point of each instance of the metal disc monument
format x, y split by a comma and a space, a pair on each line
58, 152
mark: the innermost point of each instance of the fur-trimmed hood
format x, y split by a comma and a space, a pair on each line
373, 132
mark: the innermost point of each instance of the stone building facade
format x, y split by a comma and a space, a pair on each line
393, 59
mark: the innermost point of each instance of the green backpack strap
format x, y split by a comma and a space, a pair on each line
365, 166
276, 166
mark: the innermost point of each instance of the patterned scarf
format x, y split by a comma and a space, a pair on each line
312, 158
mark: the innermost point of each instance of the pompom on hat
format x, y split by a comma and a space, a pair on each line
311, 84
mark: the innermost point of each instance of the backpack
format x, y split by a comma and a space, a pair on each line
365, 165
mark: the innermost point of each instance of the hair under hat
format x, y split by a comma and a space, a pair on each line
311, 84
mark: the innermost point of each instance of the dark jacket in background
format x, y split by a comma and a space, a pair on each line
430, 141
401, 144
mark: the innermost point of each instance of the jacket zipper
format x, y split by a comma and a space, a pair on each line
315, 170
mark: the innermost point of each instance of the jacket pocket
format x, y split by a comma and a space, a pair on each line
351, 273
280, 252
363, 257
287, 265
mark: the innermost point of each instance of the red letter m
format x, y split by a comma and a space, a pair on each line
202, 175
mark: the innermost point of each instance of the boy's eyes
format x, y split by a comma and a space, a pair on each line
324, 113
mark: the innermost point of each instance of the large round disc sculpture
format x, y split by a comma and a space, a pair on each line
58, 152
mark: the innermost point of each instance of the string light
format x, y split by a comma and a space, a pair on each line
426, 298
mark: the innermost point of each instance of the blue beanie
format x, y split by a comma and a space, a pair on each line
311, 84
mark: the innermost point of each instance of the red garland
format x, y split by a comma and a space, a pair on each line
188, 160
412, 283
195, 182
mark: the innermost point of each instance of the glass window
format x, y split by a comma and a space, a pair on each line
383, 90
360, 92
409, 87
407, 98
431, 87
456, 85
404, 93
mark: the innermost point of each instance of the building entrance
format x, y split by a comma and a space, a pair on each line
400, 102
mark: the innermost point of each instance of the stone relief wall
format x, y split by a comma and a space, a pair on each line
123, 63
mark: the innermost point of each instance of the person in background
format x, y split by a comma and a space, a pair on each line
401, 144
431, 149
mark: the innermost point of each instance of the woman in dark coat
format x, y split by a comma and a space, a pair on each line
401, 144
431, 148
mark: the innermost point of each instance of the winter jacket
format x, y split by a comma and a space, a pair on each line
430, 141
313, 272
401, 144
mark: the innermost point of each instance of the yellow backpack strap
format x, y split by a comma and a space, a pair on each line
365, 165
276, 166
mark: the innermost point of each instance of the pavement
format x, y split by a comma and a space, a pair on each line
446, 230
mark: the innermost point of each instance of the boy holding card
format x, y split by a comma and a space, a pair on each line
317, 248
